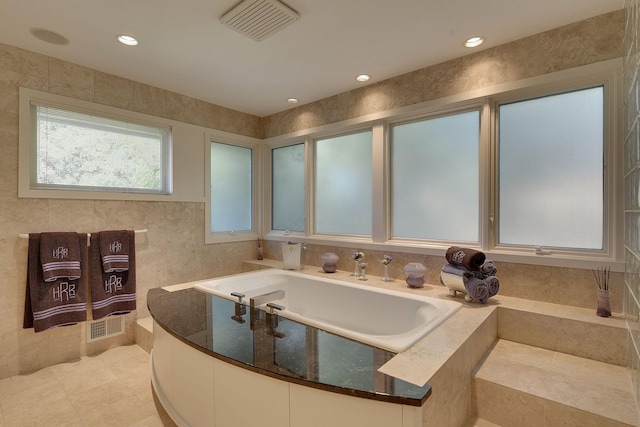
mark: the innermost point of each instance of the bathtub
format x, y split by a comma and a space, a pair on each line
387, 319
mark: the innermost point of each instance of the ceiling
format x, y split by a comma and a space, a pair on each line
184, 47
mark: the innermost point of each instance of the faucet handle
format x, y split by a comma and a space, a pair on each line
238, 295
273, 306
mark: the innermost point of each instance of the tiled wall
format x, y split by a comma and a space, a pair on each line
172, 252
632, 184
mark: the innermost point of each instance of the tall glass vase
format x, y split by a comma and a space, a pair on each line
356, 271
385, 275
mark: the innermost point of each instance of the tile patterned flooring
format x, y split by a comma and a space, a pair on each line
112, 388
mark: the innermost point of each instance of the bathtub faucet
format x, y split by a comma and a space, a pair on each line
265, 298
240, 307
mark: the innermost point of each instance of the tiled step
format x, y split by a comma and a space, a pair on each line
520, 385
474, 421
144, 333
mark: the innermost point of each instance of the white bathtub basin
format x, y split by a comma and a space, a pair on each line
387, 319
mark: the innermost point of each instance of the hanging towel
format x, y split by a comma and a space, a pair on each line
112, 293
468, 258
54, 303
60, 256
114, 250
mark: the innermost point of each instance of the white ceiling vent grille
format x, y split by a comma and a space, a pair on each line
258, 19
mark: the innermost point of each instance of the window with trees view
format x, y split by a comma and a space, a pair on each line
78, 151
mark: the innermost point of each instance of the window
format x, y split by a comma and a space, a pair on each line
529, 171
343, 181
79, 151
287, 183
551, 171
434, 178
231, 175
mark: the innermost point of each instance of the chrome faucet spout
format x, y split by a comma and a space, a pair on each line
265, 298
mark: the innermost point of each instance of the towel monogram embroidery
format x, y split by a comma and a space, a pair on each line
115, 247
457, 257
113, 284
60, 252
65, 291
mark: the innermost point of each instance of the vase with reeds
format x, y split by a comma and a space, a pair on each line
602, 276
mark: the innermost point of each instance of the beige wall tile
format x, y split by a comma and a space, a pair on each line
19, 67
71, 80
593, 40
113, 90
597, 342
504, 407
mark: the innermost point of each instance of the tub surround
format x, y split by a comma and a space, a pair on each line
292, 351
448, 356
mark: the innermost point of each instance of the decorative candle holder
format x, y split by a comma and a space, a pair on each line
329, 261
363, 267
415, 274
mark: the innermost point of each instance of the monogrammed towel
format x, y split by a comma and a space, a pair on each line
54, 303
114, 292
114, 250
60, 256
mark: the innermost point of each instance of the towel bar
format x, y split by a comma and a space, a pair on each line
26, 235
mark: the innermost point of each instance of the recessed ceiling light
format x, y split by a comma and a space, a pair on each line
474, 41
127, 40
49, 36
363, 77
292, 100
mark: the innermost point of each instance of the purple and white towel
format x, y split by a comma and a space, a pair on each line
114, 250
59, 256
58, 302
113, 292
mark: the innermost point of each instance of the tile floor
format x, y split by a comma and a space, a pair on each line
109, 389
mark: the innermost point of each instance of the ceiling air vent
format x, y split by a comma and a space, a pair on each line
258, 19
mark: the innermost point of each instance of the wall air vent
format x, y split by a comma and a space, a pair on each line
258, 19
105, 328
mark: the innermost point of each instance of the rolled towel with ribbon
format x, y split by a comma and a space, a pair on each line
488, 269
493, 284
467, 258
466, 283
477, 289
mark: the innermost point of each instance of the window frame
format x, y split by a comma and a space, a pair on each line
268, 187
476, 105
27, 164
256, 196
94, 123
613, 239
606, 73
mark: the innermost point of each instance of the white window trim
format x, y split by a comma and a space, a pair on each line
608, 73
257, 204
182, 175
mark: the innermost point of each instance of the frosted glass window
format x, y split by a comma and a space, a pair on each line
78, 151
551, 171
343, 184
434, 181
287, 164
231, 188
